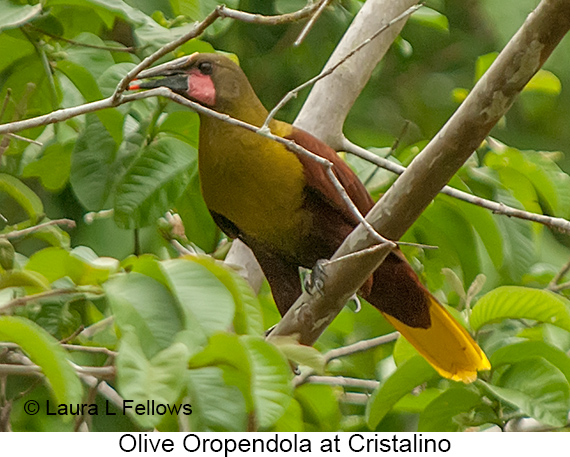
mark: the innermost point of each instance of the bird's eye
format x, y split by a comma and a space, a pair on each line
205, 68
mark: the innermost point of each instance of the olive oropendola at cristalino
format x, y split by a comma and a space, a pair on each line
285, 208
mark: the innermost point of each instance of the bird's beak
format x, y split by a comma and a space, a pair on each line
172, 74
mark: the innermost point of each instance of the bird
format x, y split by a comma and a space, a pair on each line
287, 210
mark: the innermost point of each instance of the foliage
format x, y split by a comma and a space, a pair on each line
189, 330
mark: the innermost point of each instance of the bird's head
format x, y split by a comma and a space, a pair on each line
212, 80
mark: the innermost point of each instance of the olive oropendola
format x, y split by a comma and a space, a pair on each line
286, 209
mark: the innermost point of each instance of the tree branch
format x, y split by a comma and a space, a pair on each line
498, 208
394, 214
342, 381
328, 70
330, 100
24, 232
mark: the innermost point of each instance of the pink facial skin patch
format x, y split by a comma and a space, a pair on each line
201, 88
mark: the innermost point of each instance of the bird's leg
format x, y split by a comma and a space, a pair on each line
314, 281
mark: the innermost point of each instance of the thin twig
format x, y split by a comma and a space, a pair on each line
71, 347
361, 346
353, 208
561, 287
416, 245
498, 208
24, 232
71, 337
97, 327
89, 218
353, 255
355, 398
311, 22
554, 283
220, 12
355, 348
7, 369
293, 93
118, 99
90, 349
5, 102
343, 381
130, 49
82, 419
23, 138
22, 301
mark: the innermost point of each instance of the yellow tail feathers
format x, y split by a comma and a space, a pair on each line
446, 345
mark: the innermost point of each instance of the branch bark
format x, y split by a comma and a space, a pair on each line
490, 99
330, 100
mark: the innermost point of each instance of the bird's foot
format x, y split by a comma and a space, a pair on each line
314, 281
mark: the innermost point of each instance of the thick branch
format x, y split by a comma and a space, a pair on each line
330, 100
439, 161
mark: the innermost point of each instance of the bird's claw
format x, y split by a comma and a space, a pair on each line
314, 282
357, 302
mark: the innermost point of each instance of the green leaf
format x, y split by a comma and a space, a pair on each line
14, 46
112, 118
34, 282
14, 15
519, 352
110, 78
537, 388
407, 376
153, 182
248, 317
216, 405
517, 237
456, 235
93, 60
23, 195
538, 169
199, 226
513, 302
484, 224
185, 124
430, 18
53, 167
206, 302
145, 306
320, 407
417, 402
544, 81
45, 351
93, 165
292, 420
159, 380
483, 63
256, 367
55, 263
300, 354
438, 416
271, 380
